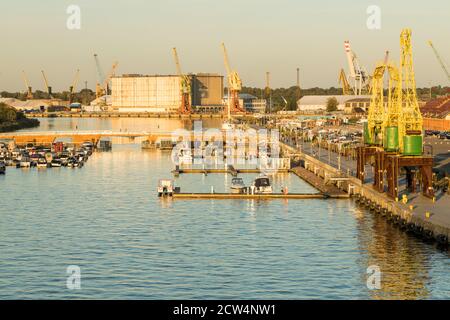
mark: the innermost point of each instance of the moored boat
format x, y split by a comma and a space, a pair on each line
262, 185
237, 185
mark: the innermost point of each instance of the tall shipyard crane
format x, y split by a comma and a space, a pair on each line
47, 87
102, 86
234, 85
29, 90
358, 77
376, 118
112, 73
73, 87
441, 62
411, 122
185, 86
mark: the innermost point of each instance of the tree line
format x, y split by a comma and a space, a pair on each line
293, 94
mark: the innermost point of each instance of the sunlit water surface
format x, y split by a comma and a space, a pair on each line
107, 219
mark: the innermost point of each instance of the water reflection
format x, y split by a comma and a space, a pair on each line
403, 260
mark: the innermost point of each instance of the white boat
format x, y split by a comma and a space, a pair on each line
262, 185
237, 185
165, 187
25, 162
41, 163
56, 163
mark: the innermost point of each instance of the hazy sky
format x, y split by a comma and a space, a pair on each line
261, 35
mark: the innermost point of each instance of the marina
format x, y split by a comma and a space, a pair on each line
216, 173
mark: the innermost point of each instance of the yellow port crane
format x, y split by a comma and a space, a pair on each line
112, 73
411, 122
29, 90
47, 87
73, 87
441, 62
394, 108
234, 84
102, 86
346, 90
376, 118
185, 86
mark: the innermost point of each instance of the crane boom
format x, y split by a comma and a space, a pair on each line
101, 75
177, 61
74, 82
49, 89
27, 86
225, 58
349, 54
441, 62
344, 82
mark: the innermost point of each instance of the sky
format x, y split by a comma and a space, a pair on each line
261, 35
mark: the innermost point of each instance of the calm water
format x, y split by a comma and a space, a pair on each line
107, 219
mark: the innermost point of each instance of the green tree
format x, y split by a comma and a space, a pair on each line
332, 104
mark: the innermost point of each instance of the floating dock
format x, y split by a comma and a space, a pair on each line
231, 171
255, 196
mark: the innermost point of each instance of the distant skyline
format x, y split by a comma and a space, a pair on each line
264, 35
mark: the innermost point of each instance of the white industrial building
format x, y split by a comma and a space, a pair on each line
319, 103
138, 93
162, 93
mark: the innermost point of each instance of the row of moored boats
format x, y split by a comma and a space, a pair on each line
44, 157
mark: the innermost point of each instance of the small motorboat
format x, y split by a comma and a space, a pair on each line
42, 163
237, 185
25, 162
56, 163
262, 185
2, 167
72, 162
165, 187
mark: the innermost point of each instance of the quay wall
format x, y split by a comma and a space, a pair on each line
380, 202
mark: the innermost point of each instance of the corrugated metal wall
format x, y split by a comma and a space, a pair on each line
146, 92
207, 90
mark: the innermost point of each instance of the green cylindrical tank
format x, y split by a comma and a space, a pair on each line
391, 139
412, 145
367, 139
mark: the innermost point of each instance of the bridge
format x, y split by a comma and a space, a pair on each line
78, 137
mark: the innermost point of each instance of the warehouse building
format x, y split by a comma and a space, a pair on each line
162, 93
319, 103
